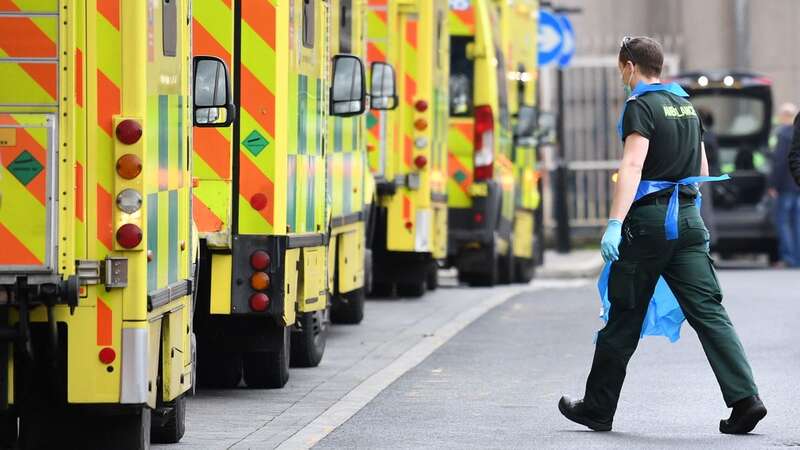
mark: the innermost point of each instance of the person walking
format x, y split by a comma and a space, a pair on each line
785, 191
655, 231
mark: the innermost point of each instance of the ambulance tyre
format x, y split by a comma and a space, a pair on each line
348, 308
413, 289
525, 270
432, 279
219, 370
268, 370
309, 338
8, 430
169, 423
123, 432
381, 289
507, 267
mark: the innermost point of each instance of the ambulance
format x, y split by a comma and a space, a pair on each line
262, 198
96, 266
350, 181
491, 225
408, 48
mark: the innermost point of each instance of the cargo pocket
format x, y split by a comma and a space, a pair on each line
622, 285
696, 232
716, 291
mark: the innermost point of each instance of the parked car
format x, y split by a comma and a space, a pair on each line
741, 105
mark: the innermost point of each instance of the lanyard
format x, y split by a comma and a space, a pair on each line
642, 89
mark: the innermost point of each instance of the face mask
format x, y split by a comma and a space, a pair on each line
627, 86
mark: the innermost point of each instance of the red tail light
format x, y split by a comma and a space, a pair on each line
107, 355
420, 161
259, 260
129, 235
129, 131
259, 302
484, 143
478, 218
258, 201
421, 105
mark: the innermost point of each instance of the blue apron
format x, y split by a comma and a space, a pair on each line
664, 315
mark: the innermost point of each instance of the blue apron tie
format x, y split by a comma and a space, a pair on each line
642, 89
671, 221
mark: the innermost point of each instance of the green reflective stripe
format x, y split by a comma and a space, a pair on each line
163, 142
337, 134
181, 143
152, 240
173, 236
302, 114
311, 206
320, 117
291, 196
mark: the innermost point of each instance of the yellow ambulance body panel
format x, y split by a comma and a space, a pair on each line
95, 191
266, 218
407, 145
519, 26
482, 182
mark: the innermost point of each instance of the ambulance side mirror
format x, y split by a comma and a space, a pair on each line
348, 87
383, 90
526, 122
546, 128
213, 104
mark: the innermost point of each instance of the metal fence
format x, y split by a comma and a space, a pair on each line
593, 99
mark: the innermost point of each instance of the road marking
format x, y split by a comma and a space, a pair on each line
368, 389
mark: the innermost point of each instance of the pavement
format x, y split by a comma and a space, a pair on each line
580, 263
497, 383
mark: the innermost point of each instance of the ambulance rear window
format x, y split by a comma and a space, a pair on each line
169, 27
346, 27
308, 23
462, 71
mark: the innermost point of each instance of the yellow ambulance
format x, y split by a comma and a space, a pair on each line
263, 196
407, 143
491, 185
96, 274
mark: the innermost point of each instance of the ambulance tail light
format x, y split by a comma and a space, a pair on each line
484, 143
129, 131
259, 260
129, 236
259, 302
421, 105
259, 281
129, 166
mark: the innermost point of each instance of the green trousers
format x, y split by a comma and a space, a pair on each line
645, 255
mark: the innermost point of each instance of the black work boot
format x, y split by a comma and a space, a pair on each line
744, 417
576, 411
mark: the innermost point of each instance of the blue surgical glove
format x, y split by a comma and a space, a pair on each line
609, 245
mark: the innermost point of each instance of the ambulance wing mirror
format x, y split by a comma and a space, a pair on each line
546, 128
383, 91
348, 87
526, 122
213, 103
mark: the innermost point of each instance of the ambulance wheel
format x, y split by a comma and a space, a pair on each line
488, 278
126, 431
525, 270
309, 338
348, 308
506, 272
381, 289
219, 370
268, 370
8, 431
169, 422
432, 279
413, 290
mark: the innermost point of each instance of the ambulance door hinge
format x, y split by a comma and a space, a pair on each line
88, 272
114, 271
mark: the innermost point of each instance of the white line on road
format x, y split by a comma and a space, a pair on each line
362, 394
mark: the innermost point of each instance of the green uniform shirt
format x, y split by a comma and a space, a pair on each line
675, 133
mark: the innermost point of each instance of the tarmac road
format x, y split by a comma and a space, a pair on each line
496, 384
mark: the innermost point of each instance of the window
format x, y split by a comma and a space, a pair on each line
462, 71
502, 91
169, 27
346, 27
308, 23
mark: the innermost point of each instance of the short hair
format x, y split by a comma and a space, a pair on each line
706, 116
644, 52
